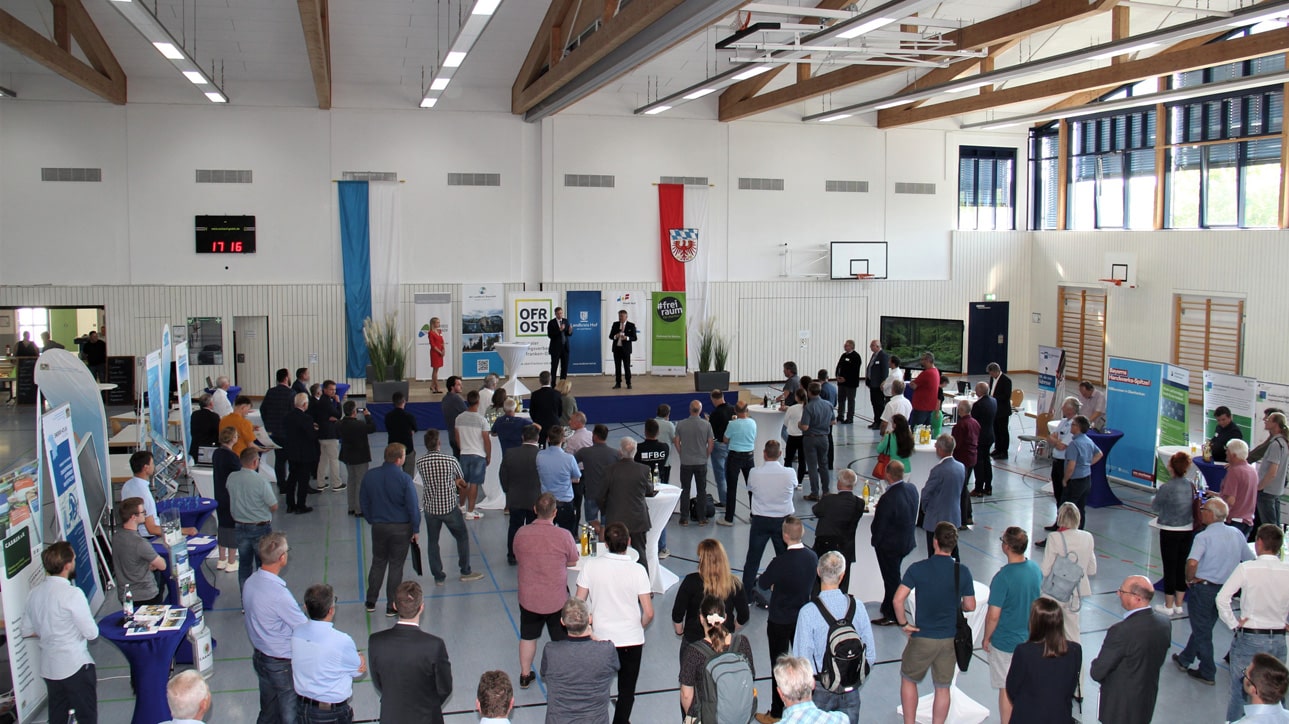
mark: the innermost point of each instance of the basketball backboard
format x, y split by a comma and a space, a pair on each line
857, 260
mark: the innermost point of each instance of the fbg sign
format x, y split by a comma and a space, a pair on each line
531, 316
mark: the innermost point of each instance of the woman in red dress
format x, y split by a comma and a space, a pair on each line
436, 354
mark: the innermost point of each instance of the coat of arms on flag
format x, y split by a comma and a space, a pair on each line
684, 244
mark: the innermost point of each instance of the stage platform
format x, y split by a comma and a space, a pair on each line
594, 394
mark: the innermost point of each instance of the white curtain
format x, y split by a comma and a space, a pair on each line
386, 232
697, 274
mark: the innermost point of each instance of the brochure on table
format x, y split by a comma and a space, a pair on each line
1147, 402
1237, 393
185, 577
528, 313
22, 573
1051, 380
69, 498
482, 324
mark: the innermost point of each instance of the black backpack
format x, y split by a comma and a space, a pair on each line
709, 505
845, 665
726, 692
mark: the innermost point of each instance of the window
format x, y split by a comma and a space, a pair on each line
1112, 172
34, 321
1044, 150
1080, 331
986, 188
1208, 334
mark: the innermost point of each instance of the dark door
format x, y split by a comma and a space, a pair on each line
986, 336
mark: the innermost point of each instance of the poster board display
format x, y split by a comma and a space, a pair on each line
185, 395
1132, 402
157, 412
1235, 392
636, 305
25, 380
69, 498
1051, 380
1271, 394
483, 321
667, 340
120, 372
167, 354
528, 313
589, 332
64, 379
1174, 411
427, 307
22, 572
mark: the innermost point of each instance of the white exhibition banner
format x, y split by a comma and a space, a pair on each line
65, 380
185, 395
1051, 380
157, 413
1235, 392
69, 499
636, 303
23, 572
483, 321
528, 313
1272, 394
429, 306
167, 354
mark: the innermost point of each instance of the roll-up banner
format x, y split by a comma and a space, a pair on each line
529, 312
1132, 404
185, 394
157, 412
69, 498
1051, 380
483, 321
636, 305
167, 354
1237, 393
1271, 394
23, 572
429, 306
668, 334
1174, 409
582, 309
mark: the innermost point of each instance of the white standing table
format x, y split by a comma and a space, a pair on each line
769, 426
922, 460
512, 354
493, 497
661, 507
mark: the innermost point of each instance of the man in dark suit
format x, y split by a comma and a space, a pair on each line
1000, 388
623, 333
1133, 652
623, 491
545, 406
879, 368
301, 381
984, 411
559, 330
837, 515
410, 667
302, 453
277, 404
521, 484
204, 425
848, 374
894, 521
942, 494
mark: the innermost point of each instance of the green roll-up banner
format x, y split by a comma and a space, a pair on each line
668, 342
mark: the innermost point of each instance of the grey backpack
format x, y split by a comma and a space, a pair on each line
726, 691
1062, 583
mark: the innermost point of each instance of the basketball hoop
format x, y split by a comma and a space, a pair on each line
863, 277
1117, 283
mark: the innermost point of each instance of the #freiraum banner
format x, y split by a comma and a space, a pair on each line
582, 309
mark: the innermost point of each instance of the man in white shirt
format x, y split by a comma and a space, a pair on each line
580, 435
770, 488
1263, 584
475, 443
1093, 404
898, 405
188, 697
1265, 681
59, 617
219, 398
140, 486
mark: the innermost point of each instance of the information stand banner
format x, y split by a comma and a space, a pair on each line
529, 313
167, 354
668, 334
1237, 393
1051, 380
185, 395
69, 498
1174, 411
22, 572
1132, 402
636, 305
482, 323
64, 379
1271, 394
428, 307
157, 412
582, 309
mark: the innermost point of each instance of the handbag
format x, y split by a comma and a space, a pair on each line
1061, 584
883, 459
962, 638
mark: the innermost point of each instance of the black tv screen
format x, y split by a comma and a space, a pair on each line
225, 234
908, 337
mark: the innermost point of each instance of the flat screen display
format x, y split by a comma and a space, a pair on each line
908, 337
225, 234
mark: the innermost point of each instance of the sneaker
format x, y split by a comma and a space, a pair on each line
390, 612
338, 488
526, 680
440, 581
1166, 610
221, 566
663, 554
233, 566
723, 522
512, 561
371, 607
719, 505
1177, 611
473, 515
476, 576
1177, 659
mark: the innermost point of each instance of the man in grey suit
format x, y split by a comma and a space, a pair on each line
521, 484
942, 494
1133, 653
622, 496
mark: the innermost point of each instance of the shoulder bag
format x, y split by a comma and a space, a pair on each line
962, 637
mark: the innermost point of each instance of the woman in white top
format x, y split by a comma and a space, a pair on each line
617, 591
1069, 539
895, 374
792, 421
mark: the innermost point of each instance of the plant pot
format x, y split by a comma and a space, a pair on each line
384, 391
371, 377
708, 381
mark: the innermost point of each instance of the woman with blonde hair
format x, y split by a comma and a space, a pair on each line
1080, 546
437, 352
565, 390
713, 578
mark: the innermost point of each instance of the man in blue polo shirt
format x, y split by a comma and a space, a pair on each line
558, 472
325, 661
1080, 455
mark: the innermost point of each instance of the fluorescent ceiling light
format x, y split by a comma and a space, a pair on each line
865, 27
454, 59
485, 7
428, 102
837, 117
196, 78
966, 88
891, 104
169, 50
1124, 51
439, 83
657, 110
752, 72
216, 97
698, 93
6, 93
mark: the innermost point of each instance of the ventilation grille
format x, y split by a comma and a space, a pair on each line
71, 174
369, 176
588, 180
852, 187
687, 180
760, 184
474, 179
223, 176
902, 187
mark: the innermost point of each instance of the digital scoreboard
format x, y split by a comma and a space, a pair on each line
225, 234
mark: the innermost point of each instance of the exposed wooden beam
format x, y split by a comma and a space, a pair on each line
62, 28
102, 76
1062, 172
1082, 98
610, 9
1119, 29
994, 31
955, 70
315, 18
539, 51
803, 71
746, 89
1227, 51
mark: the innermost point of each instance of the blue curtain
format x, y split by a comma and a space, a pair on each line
355, 257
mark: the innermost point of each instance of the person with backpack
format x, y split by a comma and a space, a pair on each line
836, 637
717, 673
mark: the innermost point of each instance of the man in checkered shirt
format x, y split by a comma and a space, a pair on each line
443, 480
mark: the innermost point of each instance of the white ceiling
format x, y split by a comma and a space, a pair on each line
383, 52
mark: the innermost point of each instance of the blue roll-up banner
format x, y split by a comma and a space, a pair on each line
584, 346
1132, 405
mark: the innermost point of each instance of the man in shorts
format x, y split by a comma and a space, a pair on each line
1011, 592
475, 444
930, 643
544, 552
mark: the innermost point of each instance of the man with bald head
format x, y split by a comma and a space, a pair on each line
694, 442
1134, 650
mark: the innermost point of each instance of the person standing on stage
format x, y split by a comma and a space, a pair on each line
623, 333
559, 330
